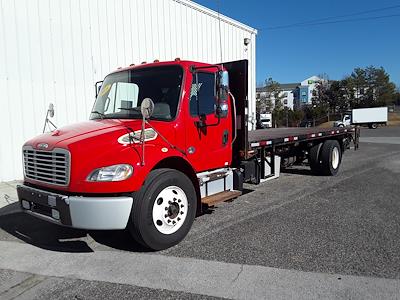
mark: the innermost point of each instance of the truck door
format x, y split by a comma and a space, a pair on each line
238, 85
208, 137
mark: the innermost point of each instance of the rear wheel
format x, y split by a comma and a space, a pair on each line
373, 126
330, 157
164, 209
325, 158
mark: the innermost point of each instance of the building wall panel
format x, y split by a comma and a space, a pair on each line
55, 50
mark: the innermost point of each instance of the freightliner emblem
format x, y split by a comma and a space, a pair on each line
43, 146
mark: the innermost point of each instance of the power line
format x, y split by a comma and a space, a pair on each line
319, 21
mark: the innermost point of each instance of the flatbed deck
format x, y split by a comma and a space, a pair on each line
279, 136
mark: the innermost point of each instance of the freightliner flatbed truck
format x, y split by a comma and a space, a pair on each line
164, 140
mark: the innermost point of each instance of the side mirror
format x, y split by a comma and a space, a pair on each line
51, 110
223, 90
98, 87
147, 108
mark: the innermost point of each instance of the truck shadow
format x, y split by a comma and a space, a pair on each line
298, 171
53, 237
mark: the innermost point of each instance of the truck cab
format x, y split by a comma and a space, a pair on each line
87, 175
346, 121
266, 120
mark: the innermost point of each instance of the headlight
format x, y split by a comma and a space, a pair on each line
111, 173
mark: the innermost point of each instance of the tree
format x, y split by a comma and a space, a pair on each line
337, 96
321, 99
274, 93
369, 87
271, 100
397, 98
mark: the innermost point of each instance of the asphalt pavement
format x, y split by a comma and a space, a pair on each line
300, 236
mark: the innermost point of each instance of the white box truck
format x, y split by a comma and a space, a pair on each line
371, 117
266, 120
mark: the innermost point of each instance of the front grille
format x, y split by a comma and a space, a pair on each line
52, 167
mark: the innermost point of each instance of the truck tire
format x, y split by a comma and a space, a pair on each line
313, 159
163, 210
330, 158
373, 126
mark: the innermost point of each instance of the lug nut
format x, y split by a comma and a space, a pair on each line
174, 199
166, 208
181, 205
169, 202
169, 221
179, 200
173, 222
165, 216
179, 219
181, 212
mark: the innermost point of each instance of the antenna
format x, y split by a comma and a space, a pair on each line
219, 26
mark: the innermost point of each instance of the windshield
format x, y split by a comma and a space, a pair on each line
122, 93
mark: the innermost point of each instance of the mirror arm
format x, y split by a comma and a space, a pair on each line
96, 87
201, 123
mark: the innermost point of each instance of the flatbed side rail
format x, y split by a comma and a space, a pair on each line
353, 133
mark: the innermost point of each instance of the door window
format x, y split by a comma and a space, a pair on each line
202, 94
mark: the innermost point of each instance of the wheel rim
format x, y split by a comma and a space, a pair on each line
335, 158
170, 209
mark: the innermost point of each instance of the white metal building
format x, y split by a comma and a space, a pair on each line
55, 50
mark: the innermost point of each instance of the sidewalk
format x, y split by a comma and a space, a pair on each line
8, 193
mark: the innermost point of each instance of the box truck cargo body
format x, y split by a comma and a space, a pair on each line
378, 115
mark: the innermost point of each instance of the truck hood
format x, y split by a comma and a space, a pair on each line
82, 130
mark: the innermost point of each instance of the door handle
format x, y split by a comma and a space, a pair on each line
225, 137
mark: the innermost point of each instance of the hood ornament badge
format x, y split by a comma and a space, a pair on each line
43, 145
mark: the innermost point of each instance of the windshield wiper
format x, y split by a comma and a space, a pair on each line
137, 109
102, 116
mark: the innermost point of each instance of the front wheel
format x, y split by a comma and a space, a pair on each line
164, 209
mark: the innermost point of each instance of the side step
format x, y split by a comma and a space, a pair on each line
220, 197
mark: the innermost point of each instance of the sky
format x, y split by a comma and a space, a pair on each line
294, 53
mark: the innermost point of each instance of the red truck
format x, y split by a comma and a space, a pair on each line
164, 140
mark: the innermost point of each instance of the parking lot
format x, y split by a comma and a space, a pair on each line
301, 236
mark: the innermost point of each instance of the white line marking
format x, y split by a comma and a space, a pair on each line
381, 140
193, 275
